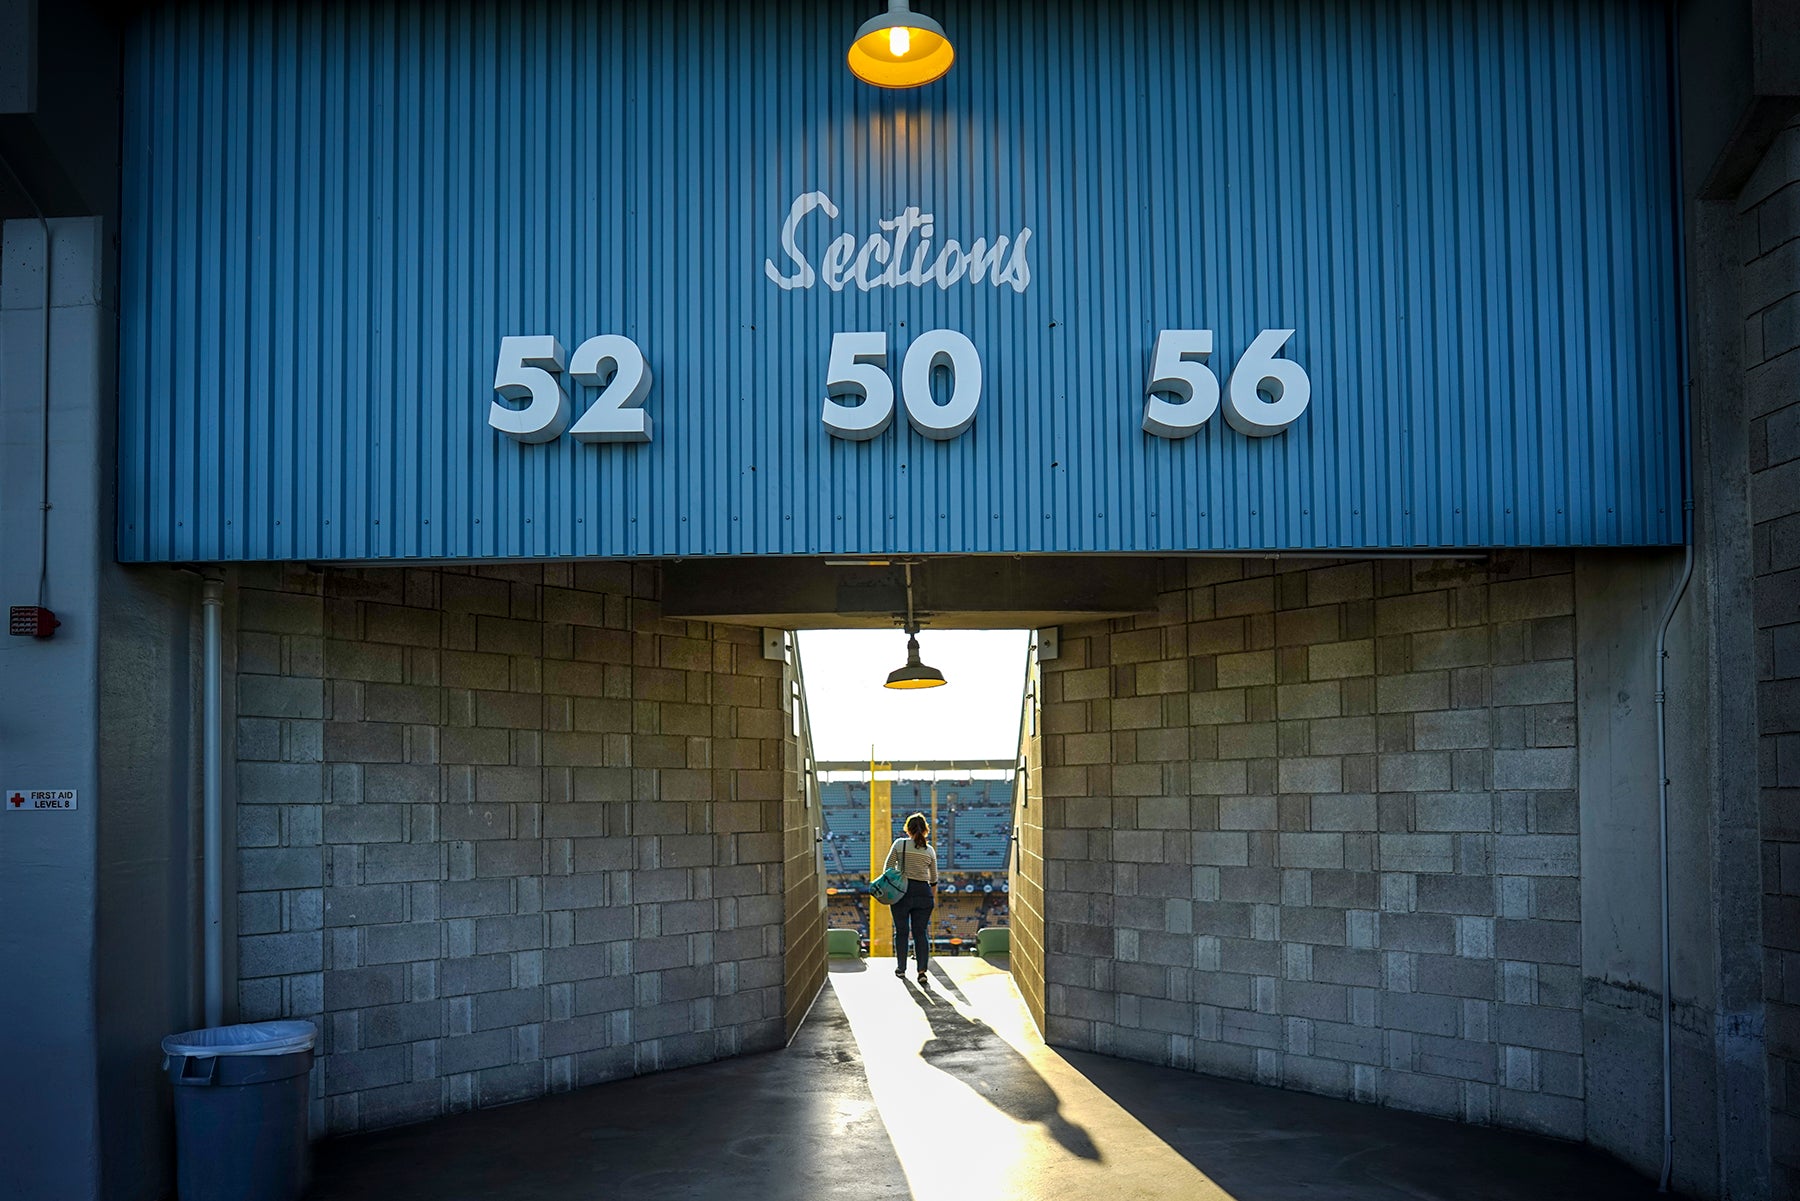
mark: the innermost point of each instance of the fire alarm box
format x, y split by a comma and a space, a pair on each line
33, 621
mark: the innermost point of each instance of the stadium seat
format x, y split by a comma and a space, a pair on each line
843, 944
993, 940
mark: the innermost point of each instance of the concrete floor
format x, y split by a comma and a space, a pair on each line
892, 1090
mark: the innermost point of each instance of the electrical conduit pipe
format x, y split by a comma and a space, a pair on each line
212, 793
1662, 818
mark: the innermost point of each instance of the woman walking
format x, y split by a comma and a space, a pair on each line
917, 860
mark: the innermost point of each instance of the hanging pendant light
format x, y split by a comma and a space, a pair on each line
914, 674
900, 49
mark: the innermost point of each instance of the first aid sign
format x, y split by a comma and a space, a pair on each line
21, 800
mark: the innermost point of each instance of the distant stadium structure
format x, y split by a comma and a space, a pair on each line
973, 836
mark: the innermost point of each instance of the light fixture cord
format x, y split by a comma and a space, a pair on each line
912, 628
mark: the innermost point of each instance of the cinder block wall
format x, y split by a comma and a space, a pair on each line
1770, 226
804, 870
1315, 825
1026, 888
504, 831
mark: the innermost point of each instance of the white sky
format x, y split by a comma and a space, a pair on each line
975, 715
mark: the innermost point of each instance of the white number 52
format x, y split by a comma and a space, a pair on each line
531, 369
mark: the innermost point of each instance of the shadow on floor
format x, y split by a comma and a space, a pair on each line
1266, 1144
795, 1125
967, 1049
801, 1124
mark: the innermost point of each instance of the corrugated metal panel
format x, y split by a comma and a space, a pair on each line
333, 214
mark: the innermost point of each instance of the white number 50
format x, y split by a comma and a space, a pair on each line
858, 367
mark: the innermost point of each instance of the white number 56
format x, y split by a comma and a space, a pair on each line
1178, 368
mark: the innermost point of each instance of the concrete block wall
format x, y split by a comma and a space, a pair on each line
1315, 825
503, 831
803, 866
1769, 222
1026, 899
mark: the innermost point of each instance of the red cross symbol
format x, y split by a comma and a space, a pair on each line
17, 799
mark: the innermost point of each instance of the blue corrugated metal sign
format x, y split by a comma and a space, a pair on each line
523, 281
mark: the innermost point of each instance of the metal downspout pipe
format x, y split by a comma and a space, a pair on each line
1662, 818
212, 793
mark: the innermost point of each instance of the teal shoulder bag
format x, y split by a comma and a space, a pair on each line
889, 886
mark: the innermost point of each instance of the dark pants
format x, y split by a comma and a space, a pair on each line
915, 909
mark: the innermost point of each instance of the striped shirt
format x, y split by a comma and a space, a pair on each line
916, 862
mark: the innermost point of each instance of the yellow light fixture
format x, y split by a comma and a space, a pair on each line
900, 49
914, 674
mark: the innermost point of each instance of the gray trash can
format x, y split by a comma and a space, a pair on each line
240, 1110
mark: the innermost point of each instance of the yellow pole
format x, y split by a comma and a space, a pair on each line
936, 841
881, 837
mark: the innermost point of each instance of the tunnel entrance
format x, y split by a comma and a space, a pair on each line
948, 754
884, 756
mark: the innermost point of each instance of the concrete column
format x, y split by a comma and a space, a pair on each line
1619, 601
49, 703
99, 930
1718, 771
1768, 229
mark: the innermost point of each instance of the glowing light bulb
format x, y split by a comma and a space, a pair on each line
899, 49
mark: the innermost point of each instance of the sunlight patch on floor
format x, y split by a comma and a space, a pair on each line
978, 1106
